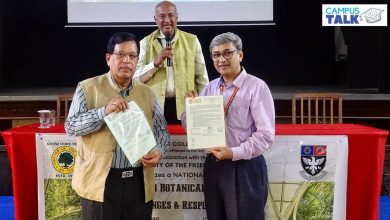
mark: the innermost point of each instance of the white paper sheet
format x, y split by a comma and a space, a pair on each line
132, 131
205, 122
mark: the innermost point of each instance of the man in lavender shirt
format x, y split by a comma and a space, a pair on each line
235, 176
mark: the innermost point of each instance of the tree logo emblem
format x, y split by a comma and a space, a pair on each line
63, 159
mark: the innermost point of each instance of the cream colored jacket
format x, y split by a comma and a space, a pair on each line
95, 150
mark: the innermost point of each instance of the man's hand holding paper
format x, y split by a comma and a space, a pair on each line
132, 132
151, 159
116, 105
222, 153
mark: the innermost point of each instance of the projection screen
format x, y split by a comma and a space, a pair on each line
191, 12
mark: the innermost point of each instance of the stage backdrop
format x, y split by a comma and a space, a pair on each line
307, 176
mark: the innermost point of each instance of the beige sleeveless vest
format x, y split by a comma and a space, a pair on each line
96, 150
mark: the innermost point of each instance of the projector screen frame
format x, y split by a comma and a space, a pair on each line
82, 13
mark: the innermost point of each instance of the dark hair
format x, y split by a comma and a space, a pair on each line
118, 38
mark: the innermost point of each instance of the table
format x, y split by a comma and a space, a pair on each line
20, 144
366, 155
365, 164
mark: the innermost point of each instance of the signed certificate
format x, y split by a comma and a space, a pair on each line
205, 122
132, 132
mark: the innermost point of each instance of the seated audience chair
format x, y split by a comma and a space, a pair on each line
319, 107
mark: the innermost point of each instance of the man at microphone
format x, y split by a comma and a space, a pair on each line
171, 62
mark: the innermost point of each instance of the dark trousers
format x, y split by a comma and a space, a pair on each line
235, 190
124, 198
170, 111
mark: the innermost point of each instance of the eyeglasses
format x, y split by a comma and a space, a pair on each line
122, 56
226, 54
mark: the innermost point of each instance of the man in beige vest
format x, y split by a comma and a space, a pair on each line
171, 62
109, 186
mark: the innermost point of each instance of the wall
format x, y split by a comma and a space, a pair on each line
1, 48
38, 51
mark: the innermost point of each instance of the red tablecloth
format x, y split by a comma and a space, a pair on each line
365, 164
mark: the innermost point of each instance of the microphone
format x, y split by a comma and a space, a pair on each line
168, 40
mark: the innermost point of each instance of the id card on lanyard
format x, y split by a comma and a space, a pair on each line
226, 108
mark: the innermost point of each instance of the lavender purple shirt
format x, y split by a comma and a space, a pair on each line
250, 122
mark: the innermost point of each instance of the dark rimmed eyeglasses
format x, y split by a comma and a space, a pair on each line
226, 54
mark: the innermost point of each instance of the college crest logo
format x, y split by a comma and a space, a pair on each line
313, 161
63, 159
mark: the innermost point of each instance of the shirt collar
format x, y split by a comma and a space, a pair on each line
118, 88
161, 36
238, 81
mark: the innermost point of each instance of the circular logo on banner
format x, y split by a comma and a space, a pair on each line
63, 159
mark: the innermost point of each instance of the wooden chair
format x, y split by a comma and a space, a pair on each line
63, 104
317, 106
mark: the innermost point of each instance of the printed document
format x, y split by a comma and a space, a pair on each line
132, 132
205, 122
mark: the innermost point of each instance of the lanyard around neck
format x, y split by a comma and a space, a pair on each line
226, 108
